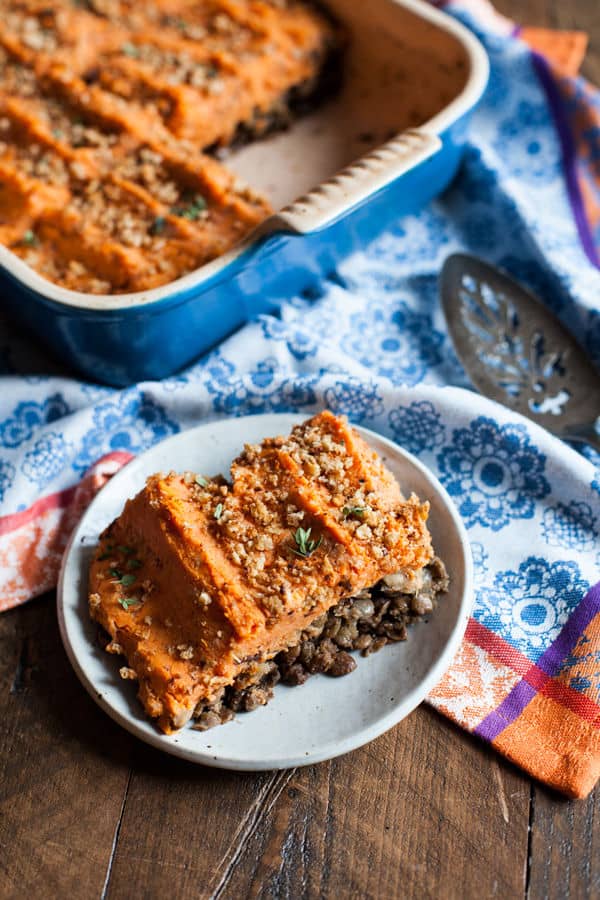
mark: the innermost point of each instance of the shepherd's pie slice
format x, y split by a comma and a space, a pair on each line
199, 579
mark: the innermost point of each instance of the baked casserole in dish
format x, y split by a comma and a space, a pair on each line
105, 114
128, 242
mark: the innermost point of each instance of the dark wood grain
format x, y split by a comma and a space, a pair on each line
421, 812
63, 766
184, 826
565, 847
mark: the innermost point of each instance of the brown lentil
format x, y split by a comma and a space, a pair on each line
365, 623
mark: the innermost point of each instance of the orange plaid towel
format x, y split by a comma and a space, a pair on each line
529, 711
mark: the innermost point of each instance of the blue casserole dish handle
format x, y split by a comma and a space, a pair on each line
353, 185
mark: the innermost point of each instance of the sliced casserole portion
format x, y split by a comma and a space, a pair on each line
198, 580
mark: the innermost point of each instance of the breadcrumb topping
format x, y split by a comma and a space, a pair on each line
305, 522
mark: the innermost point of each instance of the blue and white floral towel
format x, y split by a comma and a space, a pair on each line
374, 346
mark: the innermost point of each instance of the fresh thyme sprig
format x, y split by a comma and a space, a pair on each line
191, 210
30, 239
130, 50
126, 580
157, 226
305, 547
358, 511
126, 602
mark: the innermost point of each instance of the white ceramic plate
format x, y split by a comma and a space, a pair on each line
324, 717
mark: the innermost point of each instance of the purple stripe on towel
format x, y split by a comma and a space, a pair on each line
569, 155
511, 708
550, 662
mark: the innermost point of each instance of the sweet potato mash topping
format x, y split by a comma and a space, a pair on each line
199, 579
106, 108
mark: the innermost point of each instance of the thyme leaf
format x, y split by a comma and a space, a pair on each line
350, 511
305, 547
30, 238
191, 210
126, 602
157, 226
130, 50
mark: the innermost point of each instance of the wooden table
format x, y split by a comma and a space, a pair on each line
425, 811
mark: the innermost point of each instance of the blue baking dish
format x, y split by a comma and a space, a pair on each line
407, 64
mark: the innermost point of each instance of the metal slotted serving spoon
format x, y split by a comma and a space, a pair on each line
517, 352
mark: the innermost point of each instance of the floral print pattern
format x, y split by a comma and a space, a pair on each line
494, 472
46, 458
402, 343
300, 343
132, 423
7, 474
28, 416
528, 607
572, 526
354, 398
417, 427
261, 390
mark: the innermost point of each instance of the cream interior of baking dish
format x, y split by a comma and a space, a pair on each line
400, 71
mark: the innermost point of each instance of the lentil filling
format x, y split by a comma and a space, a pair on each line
367, 622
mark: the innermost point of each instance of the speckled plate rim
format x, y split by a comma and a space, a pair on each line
84, 654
